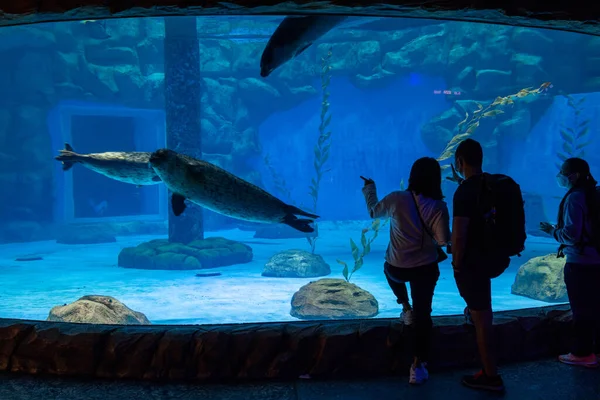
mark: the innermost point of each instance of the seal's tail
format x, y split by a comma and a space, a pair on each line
296, 211
68, 157
303, 225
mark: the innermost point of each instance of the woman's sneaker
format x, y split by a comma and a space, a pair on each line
588, 361
407, 317
418, 375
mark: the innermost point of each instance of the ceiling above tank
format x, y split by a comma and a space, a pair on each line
575, 15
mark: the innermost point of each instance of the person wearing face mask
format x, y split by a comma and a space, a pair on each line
488, 227
578, 233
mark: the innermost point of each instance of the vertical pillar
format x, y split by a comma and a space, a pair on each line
182, 106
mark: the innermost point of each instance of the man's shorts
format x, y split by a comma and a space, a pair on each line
475, 285
475, 289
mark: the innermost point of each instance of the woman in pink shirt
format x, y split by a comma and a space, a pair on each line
419, 227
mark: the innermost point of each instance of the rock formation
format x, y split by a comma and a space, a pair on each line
542, 278
200, 254
296, 264
333, 299
97, 310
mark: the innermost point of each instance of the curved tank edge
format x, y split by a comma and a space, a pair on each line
576, 16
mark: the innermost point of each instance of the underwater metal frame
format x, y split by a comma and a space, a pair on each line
149, 134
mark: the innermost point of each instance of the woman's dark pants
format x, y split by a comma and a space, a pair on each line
583, 289
422, 284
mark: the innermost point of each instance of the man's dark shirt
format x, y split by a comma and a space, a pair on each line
465, 204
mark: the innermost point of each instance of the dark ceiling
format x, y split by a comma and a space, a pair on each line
573, 15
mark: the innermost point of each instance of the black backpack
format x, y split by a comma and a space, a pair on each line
503, 208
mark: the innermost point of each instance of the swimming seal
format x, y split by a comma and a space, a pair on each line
214, 188
292, 37
128, 167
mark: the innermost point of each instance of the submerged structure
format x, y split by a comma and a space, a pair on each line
365, 98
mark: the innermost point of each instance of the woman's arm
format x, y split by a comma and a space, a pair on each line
378, 209
574, 219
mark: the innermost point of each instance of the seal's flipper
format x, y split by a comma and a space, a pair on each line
66, 165
156, 179
68, 157
303, 225
289, 209
178, 204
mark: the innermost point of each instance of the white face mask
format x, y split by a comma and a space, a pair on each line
564, 182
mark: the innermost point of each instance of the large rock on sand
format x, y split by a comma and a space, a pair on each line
333, 299
296, 264
542, 278
97, 310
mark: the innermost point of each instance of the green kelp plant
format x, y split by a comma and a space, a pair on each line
323, 143
575, 136
357, 254
469, 125
365, 243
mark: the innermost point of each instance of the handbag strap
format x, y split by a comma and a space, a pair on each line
425, 228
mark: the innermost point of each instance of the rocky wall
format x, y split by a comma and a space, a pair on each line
121, 62
275, 350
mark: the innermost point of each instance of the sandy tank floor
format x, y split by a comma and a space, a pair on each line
30, 289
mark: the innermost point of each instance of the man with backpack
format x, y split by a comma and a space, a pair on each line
488, 228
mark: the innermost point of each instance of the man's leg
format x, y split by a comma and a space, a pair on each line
483, 321
476, 290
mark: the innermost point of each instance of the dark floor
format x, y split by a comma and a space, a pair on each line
544, 380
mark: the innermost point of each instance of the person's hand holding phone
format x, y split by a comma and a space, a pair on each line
547, 227
367, 181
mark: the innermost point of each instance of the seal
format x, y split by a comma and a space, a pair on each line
296, 33
128, 167
214, 188
292, 37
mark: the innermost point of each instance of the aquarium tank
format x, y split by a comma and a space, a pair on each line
90, 234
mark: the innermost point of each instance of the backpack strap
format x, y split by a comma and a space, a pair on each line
483, 188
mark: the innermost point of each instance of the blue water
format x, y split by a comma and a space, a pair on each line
397, 92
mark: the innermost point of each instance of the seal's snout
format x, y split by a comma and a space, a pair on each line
266, 64
264, 72
159, 156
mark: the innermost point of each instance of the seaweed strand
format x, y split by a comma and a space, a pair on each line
469, 125
357, 254
575, 136
321, 149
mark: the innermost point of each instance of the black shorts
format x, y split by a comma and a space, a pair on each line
475, 288
474, 282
